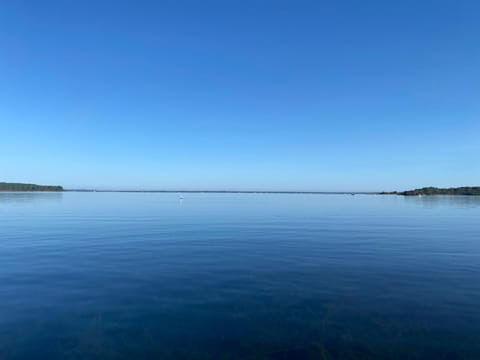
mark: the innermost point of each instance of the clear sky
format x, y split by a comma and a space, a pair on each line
227, 94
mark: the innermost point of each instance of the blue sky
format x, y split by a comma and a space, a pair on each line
279, 95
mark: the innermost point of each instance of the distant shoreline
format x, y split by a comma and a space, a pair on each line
426, 191
12, 187
431, 191
229, 192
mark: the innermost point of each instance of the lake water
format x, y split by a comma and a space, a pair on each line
238, 276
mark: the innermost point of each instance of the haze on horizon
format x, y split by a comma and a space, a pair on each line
240, 95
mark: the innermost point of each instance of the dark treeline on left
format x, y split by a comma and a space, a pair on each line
28, 187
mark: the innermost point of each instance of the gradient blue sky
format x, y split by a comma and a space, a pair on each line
279, 95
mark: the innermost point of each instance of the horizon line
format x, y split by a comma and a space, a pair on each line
225, 191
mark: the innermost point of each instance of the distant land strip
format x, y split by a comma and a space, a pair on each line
465, 190
4, 186
228, 191
417, 192
475, 190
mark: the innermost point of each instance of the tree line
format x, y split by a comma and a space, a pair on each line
28, 187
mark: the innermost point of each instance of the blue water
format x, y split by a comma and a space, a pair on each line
238, 276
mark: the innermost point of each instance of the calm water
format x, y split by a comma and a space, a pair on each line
238, 276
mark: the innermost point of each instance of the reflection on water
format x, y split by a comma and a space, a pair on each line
444, 200
29, 197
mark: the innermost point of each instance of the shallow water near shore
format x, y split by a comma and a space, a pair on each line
238, 276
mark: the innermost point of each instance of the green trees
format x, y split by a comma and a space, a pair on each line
27, 187
466, 190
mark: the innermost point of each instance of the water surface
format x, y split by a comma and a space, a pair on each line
238, 276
